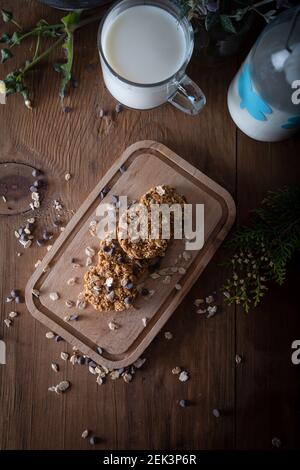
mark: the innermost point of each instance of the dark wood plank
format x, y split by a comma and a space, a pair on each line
267, 382
145, 413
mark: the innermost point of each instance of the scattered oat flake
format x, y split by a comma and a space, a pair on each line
178, 286
63, 386
176, 370
145, 321
89, 251
99, 380
198, 302
4, 198
55, 367
68, 176
201, 311
127, 377
183, 376
209, 299
54, 296
72, 281
85, 434
89, 261
167, 280
181, 270
115, 374
8, 322
155, 275
92, 370
168, 335
69, 303
81, 304
276, 442
13, 314
186, 256
50, 335
212, 310
37, 263
238, 359
73, 359
113, 326
67, 318
139, 362
64, 356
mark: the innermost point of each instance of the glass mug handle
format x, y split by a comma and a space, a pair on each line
188, 97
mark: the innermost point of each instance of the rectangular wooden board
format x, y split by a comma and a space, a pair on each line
147, 164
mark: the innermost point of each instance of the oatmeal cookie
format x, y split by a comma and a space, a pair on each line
110, 286
163, 194
111, 251
137, 247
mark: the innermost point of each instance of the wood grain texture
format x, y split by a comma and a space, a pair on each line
258, 399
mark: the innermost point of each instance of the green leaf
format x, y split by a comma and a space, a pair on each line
227, 24
15, 39
41, 23
70, 22
57, 68
5, 38
211, 20
5, 55
7, 16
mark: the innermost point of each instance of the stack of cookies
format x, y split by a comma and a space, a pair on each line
112, 284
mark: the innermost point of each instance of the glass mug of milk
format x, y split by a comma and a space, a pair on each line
145, 47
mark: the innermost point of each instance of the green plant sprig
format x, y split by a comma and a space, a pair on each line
63, 33
260, 253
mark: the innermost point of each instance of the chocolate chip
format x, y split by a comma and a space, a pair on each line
47, 235
121, 259
144, 291
92, 364
67, 109
58, 338
38, 184
81, 360
122, 169
74, 317
127, 300
35, 172
216, 413
115, 198
90, 67
104, 192
183, 403
14, 293
94, 440
57, 223
74, 83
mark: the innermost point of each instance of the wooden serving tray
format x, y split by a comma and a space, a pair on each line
147, 164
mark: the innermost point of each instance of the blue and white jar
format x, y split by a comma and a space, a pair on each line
264, 96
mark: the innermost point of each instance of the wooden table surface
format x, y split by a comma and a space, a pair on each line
258, 399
